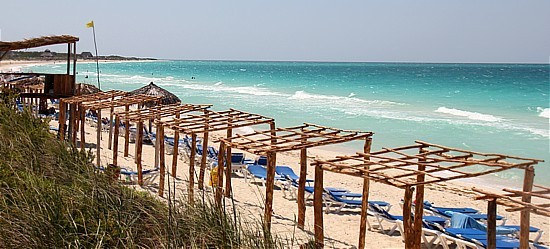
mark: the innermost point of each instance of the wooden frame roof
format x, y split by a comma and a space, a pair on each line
160, 111
94, 97
398, 166
215, 121
292, 138
37, 42
510, 199
119, 101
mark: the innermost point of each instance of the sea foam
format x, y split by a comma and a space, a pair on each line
469, 115
302, 95
543, 112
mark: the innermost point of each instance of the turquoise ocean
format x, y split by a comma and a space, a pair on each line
493, 108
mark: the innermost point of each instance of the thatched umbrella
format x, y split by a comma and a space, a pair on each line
154, 90
87, 89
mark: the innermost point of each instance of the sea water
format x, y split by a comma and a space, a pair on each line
493, 108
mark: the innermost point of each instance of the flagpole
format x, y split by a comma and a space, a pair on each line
96, 57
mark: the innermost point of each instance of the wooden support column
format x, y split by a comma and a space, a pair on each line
115, 145
407, 221
365, 198
139, 147
176, 147
203, 158
492, 224
318, 207
525, 214
270, 182
82, 126
160, 135
126, 132
218, 185
229, 165
74, 123
98, 138
62, 116
158, 141
302, 186
419, 207
111, 126
192, 166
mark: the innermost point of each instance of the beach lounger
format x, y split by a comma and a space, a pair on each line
237, 162
149, 176
262, 160
258, 172
382, 215
346, 199
446, 212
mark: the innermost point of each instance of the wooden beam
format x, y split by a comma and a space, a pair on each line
419, 205
115, 146
74, 123
229, 166
176, 149
492, 224
525, 214
82, 126
270, 182
111, 127
203, 159
365, 197
218, 185
62, 116
191, 188
98, 139
126, 133
160, 137
407, 221
302, 186
318, 207
139, 147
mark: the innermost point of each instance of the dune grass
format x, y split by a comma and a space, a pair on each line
51, 196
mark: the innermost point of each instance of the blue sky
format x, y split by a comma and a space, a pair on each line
399, 30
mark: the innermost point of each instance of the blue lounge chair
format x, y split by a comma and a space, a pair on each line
382, 215
237, 162
342, 199
259, 172
262, 160
149, 176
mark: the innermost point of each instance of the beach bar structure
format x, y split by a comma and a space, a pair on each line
97, 102
524, 205
269, 143
148, 114
206, 123
55, 85
410, 167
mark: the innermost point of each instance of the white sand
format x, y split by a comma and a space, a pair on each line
341, 229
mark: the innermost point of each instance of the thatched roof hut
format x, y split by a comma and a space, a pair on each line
87, 89
154, 90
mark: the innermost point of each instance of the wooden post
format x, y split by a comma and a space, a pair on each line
74, 121
71, 122
302, 186
419, 207
115, 146
228, 166
407, 221
158, 141
365, 199
160, 135
126, 132
525, 214
203, 159
111, 127
62, 115
218, 185
139, 147
270, 182
492, 224
192, 166
98, 138
318, 207
82, 126
176, 147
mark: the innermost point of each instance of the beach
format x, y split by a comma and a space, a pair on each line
341, 229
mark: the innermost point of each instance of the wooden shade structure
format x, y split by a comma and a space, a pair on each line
208, 122
98, 102
152, 113
301, 138
407, 167
525, 205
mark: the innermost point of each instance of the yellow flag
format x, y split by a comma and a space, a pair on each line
90, 24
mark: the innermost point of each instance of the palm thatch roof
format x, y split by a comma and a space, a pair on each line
87, 89
37, 42
154, 90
